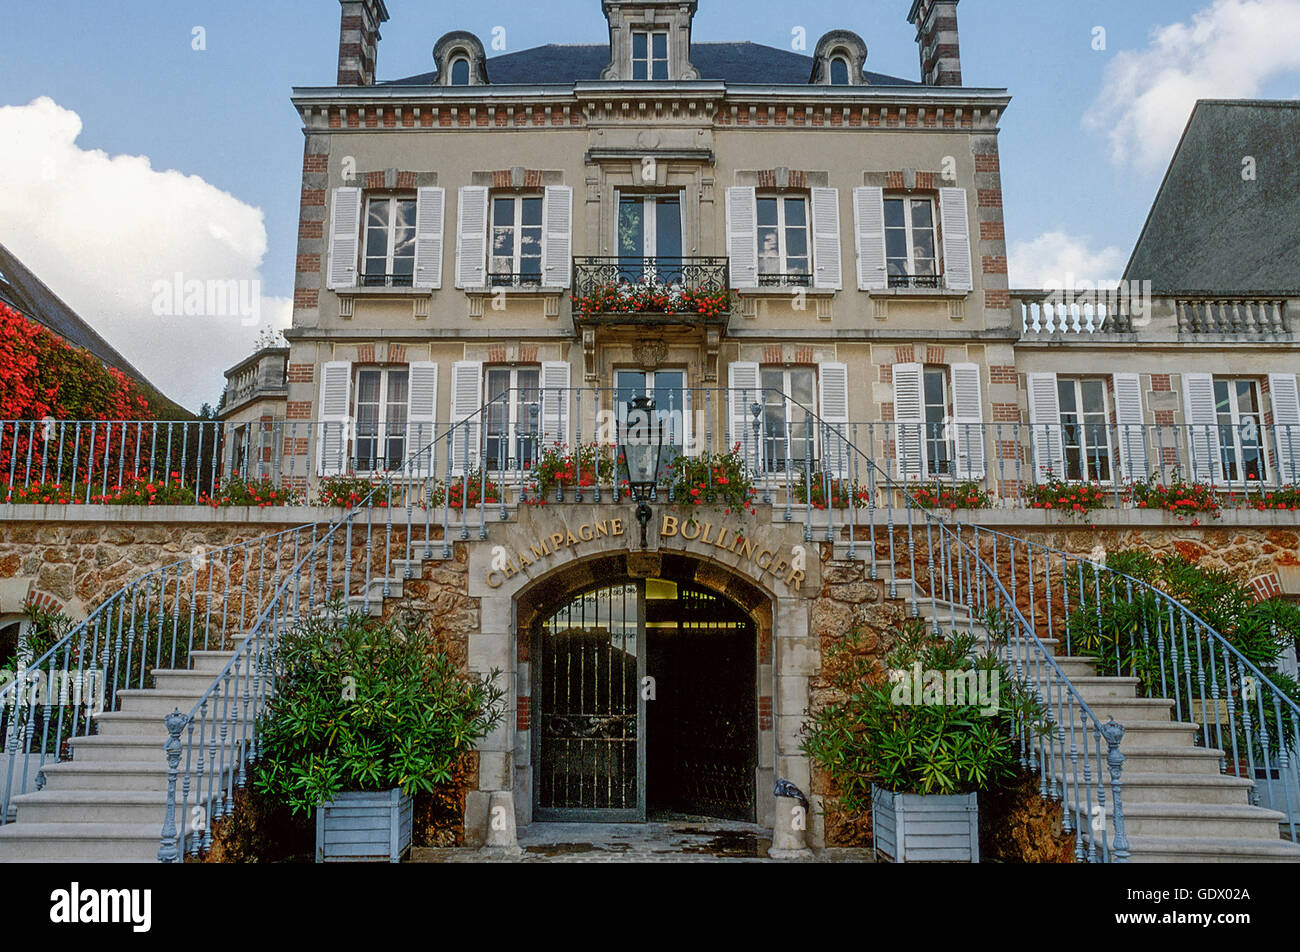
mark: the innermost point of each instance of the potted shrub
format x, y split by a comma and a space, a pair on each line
915, 742
366, 714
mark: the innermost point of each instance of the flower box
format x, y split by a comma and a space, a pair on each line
930, 828
364, 828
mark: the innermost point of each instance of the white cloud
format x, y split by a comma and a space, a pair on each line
102, 231
1057, 259
1229, 50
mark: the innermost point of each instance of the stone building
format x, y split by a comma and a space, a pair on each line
786, 252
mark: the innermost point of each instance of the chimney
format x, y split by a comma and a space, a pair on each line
359, 41
936, 36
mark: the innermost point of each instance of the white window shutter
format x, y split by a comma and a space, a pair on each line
909, 421
557, 403
557, 225
333, 418
1135, 463
833, 407
827, 270
955, 218
1202, 428
466, 414
742, 236
471, 237
430, 207
1045, 426
743, 390
1286, 424
422, 419
345, 238
968, 421
869, 237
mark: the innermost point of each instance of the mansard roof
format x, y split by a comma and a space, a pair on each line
739, 63
1220, 224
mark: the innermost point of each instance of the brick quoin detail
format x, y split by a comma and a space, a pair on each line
315, 163
935, 355
309, 264
296, 447
1160, 383
306, 297
311, 230
887, 374
993, 231
765, 713
497, 354
1002, 374
366, 354
995, 264
502, 178
297, 410
1266, 587
773, 355
524, 709
46, 601
1006, 413
528, 353
397, 353
904, 355
1165, 417
302, 373
990, 198
313, 198
887, 412
804, 355
987, 162
997, 300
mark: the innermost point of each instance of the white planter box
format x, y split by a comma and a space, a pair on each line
912, 828
364, 828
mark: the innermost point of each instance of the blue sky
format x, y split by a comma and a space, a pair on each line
1084, 144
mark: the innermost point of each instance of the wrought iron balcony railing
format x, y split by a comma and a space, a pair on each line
927, 281
385, 280
514, 279
785, 280
593, 276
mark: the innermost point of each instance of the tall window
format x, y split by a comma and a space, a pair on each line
650, 226
513, 416
516, 240
649, 55
460, 71
937, 448
668, 390
789, 427
909, 242
783, 257
382, 398
1085, 428
390, 242
839, 71
1240, 424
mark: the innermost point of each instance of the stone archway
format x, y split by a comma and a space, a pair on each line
766, 568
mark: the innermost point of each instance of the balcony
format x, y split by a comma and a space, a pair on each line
623, 290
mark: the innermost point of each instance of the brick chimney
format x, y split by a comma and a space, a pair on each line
936, 36
359, 41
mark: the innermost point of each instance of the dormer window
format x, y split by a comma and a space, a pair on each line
839, 71
649, 55
460, 71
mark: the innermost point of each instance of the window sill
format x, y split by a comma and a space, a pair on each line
358, 291
933, 293
786, 291
510, 289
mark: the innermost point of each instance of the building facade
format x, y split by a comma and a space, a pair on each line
788, 253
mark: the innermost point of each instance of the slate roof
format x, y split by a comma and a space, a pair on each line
739, 63
23, 291
1209, 230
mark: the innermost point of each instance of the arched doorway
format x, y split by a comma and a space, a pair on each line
644, 704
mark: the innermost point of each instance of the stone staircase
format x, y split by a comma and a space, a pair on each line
107, 803
1178, 806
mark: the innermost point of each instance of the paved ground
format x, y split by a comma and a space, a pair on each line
673, 841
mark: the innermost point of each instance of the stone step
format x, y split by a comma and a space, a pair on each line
145, 775
1201, 789
93, 806
228, 702
80, 842
1125, 709
1095, 689
1198, 849
1170, 760
186, 681
1236, 821
101, 748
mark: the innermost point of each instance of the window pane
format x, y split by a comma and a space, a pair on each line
1221, 399
767, 211
460, 73
796, 211
896, 244
1094, 396
1246, 402
631, 226
661, 46
769, 257
1066, 394
922, 214
894, 216
638, 46
839, 72
802, 387
668, 228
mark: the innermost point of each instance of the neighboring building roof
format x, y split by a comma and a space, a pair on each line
23, 291
741, 63
1211, 230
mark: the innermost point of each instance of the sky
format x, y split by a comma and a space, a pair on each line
148, 143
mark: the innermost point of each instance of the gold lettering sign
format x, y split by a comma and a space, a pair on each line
778, 564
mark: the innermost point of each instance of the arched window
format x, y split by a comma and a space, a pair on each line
460, 71
839, 71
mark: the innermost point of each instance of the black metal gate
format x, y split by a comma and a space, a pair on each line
645, 706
